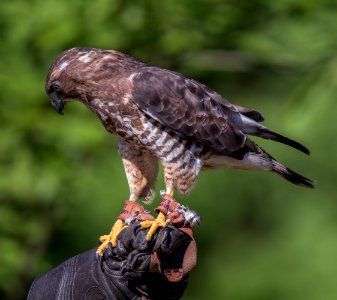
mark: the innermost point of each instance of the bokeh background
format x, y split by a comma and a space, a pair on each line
61, 179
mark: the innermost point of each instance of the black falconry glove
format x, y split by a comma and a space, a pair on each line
134, 269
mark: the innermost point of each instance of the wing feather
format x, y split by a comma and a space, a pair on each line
187, 108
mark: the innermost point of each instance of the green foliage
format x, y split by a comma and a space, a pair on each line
61, 179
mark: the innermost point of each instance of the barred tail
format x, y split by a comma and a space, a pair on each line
291, 175
271, 135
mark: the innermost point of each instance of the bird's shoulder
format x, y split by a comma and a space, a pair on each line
188, 89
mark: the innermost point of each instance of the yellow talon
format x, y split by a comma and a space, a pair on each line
102, 238
159, 222
146, 224
111, 237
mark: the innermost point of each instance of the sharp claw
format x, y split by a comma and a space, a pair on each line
102, 238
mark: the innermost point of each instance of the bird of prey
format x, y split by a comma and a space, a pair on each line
160, 115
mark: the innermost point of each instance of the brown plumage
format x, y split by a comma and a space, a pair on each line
160, 114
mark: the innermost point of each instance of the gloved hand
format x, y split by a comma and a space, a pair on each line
134, 269
158, 268
173, 252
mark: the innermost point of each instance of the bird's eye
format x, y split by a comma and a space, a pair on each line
56, 88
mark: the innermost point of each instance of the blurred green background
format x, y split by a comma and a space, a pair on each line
61, 179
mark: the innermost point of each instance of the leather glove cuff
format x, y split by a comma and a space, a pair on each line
133, 212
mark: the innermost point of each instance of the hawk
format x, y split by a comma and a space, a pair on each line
160, 115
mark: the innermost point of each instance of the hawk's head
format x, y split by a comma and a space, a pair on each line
60, 75
76, 73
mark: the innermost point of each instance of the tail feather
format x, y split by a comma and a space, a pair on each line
291, 175
271, 135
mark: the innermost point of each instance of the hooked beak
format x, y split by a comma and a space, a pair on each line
57, 103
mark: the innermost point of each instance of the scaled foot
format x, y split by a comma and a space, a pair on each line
131, 213
161, 220
116, 229
154, 225
170, 211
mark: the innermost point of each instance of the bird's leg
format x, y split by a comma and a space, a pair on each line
131, 213
161, 220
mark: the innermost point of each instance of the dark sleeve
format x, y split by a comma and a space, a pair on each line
123, 272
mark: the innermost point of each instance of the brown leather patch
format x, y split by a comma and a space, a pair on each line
155, 263
174, 275
134, 211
